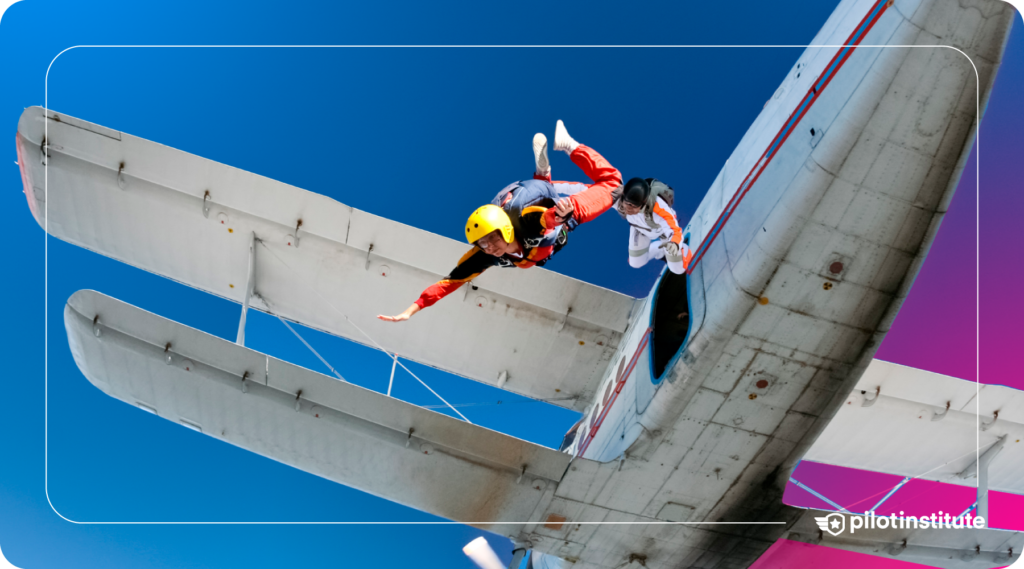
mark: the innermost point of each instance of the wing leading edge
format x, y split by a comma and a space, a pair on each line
320, 263
330, 428
937, 418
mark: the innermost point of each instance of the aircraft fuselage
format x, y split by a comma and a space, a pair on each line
806, 245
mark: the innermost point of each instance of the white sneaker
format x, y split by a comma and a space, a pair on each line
563, 141
540, 155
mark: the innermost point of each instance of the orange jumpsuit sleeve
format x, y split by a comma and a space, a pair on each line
669, 219
468, 268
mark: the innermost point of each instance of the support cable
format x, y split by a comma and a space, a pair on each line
394, 356
892, 490
303, 340
889, 495
817, 495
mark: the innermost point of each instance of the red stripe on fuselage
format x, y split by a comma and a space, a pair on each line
622, 381
761, 163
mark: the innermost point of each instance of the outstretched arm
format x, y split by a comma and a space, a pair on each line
413, 309
470, 265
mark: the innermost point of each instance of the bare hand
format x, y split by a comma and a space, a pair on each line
413, 309
564, 209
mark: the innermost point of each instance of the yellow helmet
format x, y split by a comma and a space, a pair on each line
487, 219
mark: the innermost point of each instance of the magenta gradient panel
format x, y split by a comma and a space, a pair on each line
860, 490
785, 554
963, 318
943, 321
854, 490
1006, 510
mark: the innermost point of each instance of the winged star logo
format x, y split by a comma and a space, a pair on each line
834, 524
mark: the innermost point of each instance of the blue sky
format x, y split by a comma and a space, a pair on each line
419, 135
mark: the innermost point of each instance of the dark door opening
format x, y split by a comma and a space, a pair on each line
671, 320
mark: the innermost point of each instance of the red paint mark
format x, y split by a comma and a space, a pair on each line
762, 383
618, 388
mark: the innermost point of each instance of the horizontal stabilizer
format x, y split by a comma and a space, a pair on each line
316, 423
318, 262
950, 548
910, 422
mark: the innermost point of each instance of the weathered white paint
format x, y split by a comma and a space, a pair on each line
756, 383
908, 431
867, 189
333, 268
330, 428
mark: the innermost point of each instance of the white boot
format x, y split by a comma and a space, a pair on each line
540, 155
563, 141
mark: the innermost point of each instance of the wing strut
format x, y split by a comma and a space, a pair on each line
270, 309
394, 356
250, 286
311, 421
980, 469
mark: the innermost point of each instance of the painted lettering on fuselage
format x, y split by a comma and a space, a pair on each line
611, 394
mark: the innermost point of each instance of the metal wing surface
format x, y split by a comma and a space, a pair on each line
192, 220
316, 423
912, 422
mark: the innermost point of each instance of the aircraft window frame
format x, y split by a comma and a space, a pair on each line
574, 433
691, 324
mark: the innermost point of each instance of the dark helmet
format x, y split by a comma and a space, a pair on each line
636, 192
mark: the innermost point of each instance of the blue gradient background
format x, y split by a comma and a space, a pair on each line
421, 136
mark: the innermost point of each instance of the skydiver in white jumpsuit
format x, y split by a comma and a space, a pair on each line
654, 232
646, 205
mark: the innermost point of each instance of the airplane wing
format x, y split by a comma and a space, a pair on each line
319, 261
938, 431
313, 422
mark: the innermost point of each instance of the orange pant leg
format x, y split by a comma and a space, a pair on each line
597, 198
